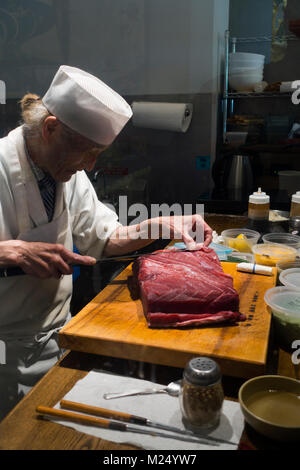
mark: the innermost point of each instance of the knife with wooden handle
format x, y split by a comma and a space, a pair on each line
108, 424
129, 418
16, 271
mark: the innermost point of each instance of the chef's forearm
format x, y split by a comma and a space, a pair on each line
127, 239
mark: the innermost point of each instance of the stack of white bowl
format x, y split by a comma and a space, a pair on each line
245, 70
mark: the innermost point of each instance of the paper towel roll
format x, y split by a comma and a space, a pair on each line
165, 116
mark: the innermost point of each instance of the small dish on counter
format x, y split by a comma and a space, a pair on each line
240, 239
269, 254
283, 239
270, 405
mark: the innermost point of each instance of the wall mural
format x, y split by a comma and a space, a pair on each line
279, 45
26, 26
104, 37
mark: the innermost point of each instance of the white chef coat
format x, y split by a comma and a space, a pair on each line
32, 309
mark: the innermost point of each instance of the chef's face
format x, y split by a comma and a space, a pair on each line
64, 163
64, 157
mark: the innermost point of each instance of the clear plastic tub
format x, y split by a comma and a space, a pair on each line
284, 304
291, 278
283, 265
240, 239
283, 239
269, 254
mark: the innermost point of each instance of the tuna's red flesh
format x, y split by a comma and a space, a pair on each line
186, 289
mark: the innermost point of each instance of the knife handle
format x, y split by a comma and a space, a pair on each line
78, 418
97, 411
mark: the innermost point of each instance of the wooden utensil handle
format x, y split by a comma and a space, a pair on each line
77, 418
97, 411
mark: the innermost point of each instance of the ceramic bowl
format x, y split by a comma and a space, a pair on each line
249, 394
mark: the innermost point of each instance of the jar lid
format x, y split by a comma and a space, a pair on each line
259, 197
202, 371
296, 197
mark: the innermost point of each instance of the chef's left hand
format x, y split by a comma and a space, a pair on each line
191, 229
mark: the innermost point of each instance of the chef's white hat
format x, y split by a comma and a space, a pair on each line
87, 105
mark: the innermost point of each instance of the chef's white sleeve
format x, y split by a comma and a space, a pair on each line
92, 222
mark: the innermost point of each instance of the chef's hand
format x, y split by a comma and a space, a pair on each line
191, 229
42, 260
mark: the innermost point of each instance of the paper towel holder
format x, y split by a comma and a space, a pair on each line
175, 117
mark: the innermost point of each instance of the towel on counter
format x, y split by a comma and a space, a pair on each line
161, 408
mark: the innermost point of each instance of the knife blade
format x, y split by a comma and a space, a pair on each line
16, 271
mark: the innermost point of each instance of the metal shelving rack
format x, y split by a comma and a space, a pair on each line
229, 97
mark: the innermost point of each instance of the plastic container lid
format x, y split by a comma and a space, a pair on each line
291, 278
296, 197
284, 301
220, 248
259, 197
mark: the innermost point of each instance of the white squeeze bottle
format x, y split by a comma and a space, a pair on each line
295, 207
259, 206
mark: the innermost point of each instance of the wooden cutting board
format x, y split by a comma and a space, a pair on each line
113, 324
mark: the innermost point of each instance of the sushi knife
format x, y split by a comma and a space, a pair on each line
118, 415
16, 271
110, 424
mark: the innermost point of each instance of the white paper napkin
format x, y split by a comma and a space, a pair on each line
161, 408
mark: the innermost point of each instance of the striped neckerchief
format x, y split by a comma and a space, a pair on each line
46, 184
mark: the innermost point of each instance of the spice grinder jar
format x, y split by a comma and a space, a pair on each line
201, 394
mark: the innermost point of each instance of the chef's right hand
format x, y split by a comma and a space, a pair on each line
42, 260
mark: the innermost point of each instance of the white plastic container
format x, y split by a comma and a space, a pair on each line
259, 206
269, 254
236, 69
244, 82
246, 56
240, 239
284, 303
291, 278
295, 206
283, 239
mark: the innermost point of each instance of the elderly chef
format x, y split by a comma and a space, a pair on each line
47, 205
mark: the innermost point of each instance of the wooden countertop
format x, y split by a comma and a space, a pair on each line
23, 430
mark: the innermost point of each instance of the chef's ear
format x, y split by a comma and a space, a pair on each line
50, 128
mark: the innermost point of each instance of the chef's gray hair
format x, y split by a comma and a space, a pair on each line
34, 112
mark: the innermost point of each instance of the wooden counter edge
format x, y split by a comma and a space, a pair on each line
23, 429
